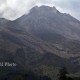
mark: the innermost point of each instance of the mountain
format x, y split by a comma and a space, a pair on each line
44, 37
49, 18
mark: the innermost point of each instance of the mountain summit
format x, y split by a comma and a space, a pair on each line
43, 37
51, 19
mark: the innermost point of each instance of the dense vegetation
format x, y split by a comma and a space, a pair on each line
40, 74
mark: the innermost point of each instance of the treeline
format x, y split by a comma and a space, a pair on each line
65, 75
29, 75
25, 76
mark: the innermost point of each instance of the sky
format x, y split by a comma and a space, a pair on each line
13, 9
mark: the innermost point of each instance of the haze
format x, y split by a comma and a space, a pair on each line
13, 9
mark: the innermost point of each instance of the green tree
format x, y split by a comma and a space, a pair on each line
62, 74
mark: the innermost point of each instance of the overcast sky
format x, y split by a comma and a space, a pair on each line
13, 9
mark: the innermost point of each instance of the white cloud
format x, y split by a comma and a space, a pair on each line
13, 9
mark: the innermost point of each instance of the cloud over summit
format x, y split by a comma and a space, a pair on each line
13, 9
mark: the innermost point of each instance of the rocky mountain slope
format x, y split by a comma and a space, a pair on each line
43, 37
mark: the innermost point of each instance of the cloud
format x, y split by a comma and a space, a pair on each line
13, 9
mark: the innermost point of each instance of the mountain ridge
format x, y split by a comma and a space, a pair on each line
40, 34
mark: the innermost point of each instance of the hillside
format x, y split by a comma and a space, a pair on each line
44, 37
